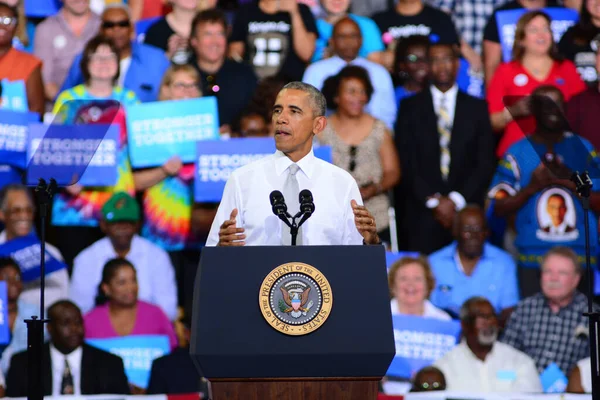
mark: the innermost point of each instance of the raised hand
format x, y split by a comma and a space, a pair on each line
229, 233
365, 223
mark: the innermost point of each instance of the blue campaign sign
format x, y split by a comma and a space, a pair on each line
391, 257
68, 152
14, 127
8, 175
14, 95
216, 160
42, 8
26, 251
141, 27
596, 282
420, 342
469, 81
160, 130
4, 323
137, 353
562, 19
553, 379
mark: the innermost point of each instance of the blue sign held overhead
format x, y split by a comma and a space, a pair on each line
553, 379
218, 158
14, 96
137, 352
26, 251
14, 128
562, 19
160, 130
420, 342
86, 154
4, 323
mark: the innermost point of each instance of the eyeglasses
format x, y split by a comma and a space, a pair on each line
113, 24
353, 151
185, 86
100, 58
20, 210
425, 386
8, 21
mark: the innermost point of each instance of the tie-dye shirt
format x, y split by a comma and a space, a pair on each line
84, 209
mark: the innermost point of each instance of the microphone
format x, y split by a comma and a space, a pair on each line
307, 205
278, 206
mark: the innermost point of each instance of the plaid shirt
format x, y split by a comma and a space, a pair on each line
469, 16
547, 337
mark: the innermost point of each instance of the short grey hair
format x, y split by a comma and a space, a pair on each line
465, 309
316, 98
14, 187
118, 6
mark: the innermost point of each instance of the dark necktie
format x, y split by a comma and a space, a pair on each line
66, 386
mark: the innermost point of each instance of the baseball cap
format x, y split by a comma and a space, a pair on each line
121, 207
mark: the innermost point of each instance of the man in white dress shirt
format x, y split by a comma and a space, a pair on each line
16, 213
346, 42
480, 364
155, 273
245, 216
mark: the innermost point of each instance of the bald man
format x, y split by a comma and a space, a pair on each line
346, 42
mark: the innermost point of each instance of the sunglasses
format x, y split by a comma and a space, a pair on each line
114, 24
353, 151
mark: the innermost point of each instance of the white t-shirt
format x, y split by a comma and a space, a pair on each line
585, 371
123, 68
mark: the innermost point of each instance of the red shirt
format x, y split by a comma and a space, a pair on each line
512, 80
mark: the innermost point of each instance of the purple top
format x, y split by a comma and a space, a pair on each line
150, 320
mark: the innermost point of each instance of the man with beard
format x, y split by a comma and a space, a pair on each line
551, 326
471, 267
481, 364
155, 273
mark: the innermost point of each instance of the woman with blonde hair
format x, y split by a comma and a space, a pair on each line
411, 281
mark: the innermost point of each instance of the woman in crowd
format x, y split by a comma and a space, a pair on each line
25, 29
410, 66
411, 281
362, 145
18, 311
576, 43
16, 65
76, 211
167, 190
119, 312
171, 33
536, 62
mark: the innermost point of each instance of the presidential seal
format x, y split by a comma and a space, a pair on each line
295, 299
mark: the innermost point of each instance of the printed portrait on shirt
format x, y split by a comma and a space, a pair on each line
557, 217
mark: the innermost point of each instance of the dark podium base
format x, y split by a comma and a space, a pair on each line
295, 389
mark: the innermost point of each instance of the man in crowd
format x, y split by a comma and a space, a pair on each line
298, 115
17, 212
155, 273
232, 83
346, 42
429, 379
71, 367
141, 67
482, 364
471, 267
59, 38
550, 326
534, 172
445, 142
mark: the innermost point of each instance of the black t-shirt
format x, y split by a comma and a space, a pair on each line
268, 40
490, 32
158, 34
581, 53
233, 85
431, 22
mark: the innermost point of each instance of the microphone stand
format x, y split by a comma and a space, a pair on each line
583, 185
35, 325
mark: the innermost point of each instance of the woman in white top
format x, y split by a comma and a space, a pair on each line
411, 281
580, 380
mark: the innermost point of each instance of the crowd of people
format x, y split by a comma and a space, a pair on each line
479, 185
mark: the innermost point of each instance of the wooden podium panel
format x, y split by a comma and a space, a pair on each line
295, 389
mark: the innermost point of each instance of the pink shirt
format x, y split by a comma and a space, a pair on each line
150, 320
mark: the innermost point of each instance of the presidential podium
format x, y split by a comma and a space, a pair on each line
287, 323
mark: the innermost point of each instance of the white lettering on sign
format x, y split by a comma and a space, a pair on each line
170, 130
76, 152
13, 137
218, 167
138, 357
269, 26
422, 345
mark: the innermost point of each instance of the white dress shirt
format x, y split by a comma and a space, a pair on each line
248, 189
383, 102
429, 310
505, 370
56, 283
155, 274
58, 365
585, 372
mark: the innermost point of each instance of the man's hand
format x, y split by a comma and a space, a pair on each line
74, 189
541, 178
445, 211
174, 43
172, 166
365, 223
229, 234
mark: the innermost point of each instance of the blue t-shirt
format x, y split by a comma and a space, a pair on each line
554, 215
371, 37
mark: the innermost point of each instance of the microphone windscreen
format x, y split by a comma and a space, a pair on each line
305, 196
275, 197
